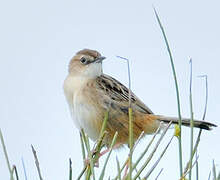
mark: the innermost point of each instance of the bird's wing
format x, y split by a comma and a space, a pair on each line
120, 94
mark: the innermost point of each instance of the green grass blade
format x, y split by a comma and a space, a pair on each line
82, 172
6, 155
160, 157
129, 77
209, 175
146, 149
104, 124
214, 170
218, 178
122, 168
94, 155
131, 141
118, 167
191, 123
70, 169
136, 172
101, 137
91, 160
177, 91
153, 152
203, 118
107, 159
36, 162
82, 148
187, 169
206, 94
14, 169
159, 174
197, 168
23, 165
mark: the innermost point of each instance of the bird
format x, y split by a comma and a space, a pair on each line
90, 94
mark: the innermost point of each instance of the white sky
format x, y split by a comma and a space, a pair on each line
38, 38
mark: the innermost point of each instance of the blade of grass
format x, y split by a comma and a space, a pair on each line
197, 168
91, 162
146, 149
130, 142
177, 90
155, 165
204, 114
136, 172
218, 178
206, 98
126, 161
83, 149
159, 174
131, 138
187, 170
122, 168
70, 169
200, 131
138, 140
97, 148
14, 169
209, 175
83, 139
194, 151
36, 162
129, 77
101, 137
6, 155
104, 124
82, 172
152, 153
214, 170
23, 165
107, 159
191, 123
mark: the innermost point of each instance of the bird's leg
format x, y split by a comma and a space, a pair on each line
87, 161
108, 149
126, 169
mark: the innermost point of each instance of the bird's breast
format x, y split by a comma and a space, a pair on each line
84, 114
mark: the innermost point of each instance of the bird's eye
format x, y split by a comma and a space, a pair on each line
83, 60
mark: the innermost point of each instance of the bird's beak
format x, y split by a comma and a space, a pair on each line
100, 59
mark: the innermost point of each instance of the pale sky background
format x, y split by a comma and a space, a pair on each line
37, 40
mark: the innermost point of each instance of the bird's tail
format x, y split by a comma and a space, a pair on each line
186, 122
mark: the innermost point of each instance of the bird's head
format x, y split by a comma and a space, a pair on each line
87, 63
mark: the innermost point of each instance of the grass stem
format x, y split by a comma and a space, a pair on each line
191, 123
131, 140
6, 155
70, 169
160, 157
177, 91
36, 162
152, 153
106, 161
23, 165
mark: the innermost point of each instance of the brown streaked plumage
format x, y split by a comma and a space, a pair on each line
90, 93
